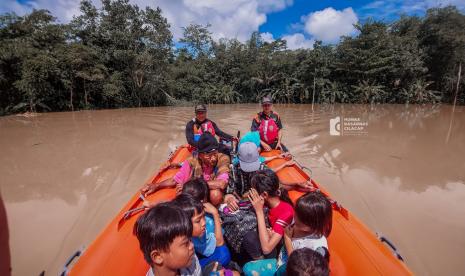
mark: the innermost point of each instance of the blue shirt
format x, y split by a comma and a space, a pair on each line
206, 244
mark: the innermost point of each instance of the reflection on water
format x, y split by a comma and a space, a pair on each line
65, 175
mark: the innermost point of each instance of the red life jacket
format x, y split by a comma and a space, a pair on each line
268, 129
206, 126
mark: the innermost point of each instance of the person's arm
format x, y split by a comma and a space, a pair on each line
179, 178
278, 145
217, 184
285, 155
220, 133
280, 127
265, 146
209, 208
279, 123
222, 175
267, 241
254, 126
150, 188
270, 158
190, 134
288, 240
283, 165
232, 202
305, 186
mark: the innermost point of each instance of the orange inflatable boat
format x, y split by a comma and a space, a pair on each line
354, 249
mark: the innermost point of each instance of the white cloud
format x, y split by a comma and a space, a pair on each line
267, 6
329, 24
298, 41
62, 9
228, 18
267, 37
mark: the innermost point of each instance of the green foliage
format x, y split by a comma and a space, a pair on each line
442, 36
197, 39
419, 93
120, 55
366, 92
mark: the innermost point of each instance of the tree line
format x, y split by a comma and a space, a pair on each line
123, 56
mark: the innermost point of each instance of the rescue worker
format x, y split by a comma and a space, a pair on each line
201, 124
268, 124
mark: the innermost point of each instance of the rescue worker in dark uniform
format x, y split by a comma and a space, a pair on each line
268, 124
201, 124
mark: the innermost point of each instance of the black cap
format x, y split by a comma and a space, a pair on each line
267, 100
207, 143
200, 108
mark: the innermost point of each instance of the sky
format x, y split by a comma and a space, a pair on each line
299, 22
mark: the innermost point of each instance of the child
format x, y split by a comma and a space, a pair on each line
266, 191
307, 262
198, 189
246, 164
312, 224
209, 245
164, 233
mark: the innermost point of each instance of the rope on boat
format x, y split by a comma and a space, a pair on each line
302, 167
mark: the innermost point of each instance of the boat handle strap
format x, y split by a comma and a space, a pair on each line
69, 261
391, 245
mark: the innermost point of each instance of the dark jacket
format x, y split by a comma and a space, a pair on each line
190, 131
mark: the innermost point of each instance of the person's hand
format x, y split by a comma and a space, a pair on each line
210, 209
215, 271
149, 188
257, 200
235, 139
305, 186
289, 231
269, 230
286, 155
289, 163
147, 204
178, 189
266, 147
232, 202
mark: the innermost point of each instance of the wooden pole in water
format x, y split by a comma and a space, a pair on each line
459, 75
313, 94
458, 84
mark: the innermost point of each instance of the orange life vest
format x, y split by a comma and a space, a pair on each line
206, 126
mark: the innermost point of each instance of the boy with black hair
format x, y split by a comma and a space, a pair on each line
208, 244
164, 233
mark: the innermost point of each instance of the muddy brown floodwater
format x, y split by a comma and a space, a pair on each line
400, 169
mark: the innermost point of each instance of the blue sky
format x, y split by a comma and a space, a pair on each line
281, 22
299, 22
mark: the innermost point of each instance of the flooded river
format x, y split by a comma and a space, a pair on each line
400, 169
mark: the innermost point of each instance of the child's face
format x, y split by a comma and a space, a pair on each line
179, 254
300, 229
198, 224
